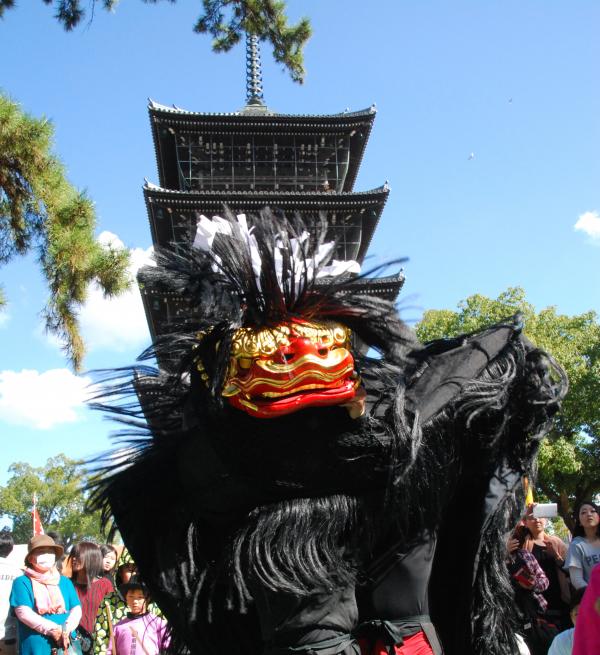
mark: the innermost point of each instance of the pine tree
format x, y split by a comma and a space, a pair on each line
40, 209
225, 20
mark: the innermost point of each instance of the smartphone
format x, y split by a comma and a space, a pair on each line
545, 510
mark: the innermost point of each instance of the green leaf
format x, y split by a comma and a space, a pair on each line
60, 486
40, 209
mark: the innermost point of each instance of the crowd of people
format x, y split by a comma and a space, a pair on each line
550, 582
87, 602
92, 602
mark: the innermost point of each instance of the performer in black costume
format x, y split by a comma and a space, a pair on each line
319, 500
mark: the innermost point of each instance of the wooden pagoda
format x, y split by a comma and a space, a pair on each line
246, 160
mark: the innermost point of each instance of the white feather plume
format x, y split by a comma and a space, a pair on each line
207, 229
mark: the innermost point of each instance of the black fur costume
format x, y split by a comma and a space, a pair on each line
307, 532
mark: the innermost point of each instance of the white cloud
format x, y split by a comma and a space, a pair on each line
42, 400
589, 223
116, 323
107, 238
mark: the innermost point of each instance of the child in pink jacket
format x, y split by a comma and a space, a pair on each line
139, 633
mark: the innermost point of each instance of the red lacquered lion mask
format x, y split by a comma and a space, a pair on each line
299, 364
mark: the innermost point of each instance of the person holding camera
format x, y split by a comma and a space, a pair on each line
550, 552
529, 582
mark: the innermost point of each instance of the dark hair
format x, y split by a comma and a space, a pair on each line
579, 531
124, 567
135, 584
90, 557
521, 534
576, 597
6, 542
108, 548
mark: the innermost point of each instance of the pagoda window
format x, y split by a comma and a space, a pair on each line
242, 162
200, 176
178, 228
262, 162
242, 174
342, 160
263, 149
347, 230
286, 152
241, 153
286, 175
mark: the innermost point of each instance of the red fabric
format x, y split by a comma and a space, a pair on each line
90, 599
416, 644
587, 627
37, 523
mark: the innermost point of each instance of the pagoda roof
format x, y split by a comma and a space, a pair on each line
165, 121
148, 389
162, 307
310, 197
156, 108
388, 286
369, 203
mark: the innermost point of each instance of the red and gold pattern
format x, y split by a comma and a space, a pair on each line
277, 371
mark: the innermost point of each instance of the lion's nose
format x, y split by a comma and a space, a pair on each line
300, 348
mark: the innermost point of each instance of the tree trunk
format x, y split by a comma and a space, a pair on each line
564, 510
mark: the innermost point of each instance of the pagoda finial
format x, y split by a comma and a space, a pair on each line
254, 91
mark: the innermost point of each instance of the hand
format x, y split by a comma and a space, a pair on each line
552, 550
56, 634
356, 406
66, 640
512, 545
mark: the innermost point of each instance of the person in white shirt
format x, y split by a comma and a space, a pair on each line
584, 551
8, 572
563, 642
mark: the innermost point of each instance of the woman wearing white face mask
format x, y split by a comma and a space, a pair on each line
45, 602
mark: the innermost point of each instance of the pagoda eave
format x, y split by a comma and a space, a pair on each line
163, 307
156, 109
166, 123
309, 197
388, 286
172, 214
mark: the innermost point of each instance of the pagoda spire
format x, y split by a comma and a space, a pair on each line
254, 90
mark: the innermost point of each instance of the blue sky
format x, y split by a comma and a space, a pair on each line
513, 83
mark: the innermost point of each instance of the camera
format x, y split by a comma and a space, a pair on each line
545, 511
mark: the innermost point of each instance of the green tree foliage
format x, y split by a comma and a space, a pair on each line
40, 210
61, 496
568, 461
225, 20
